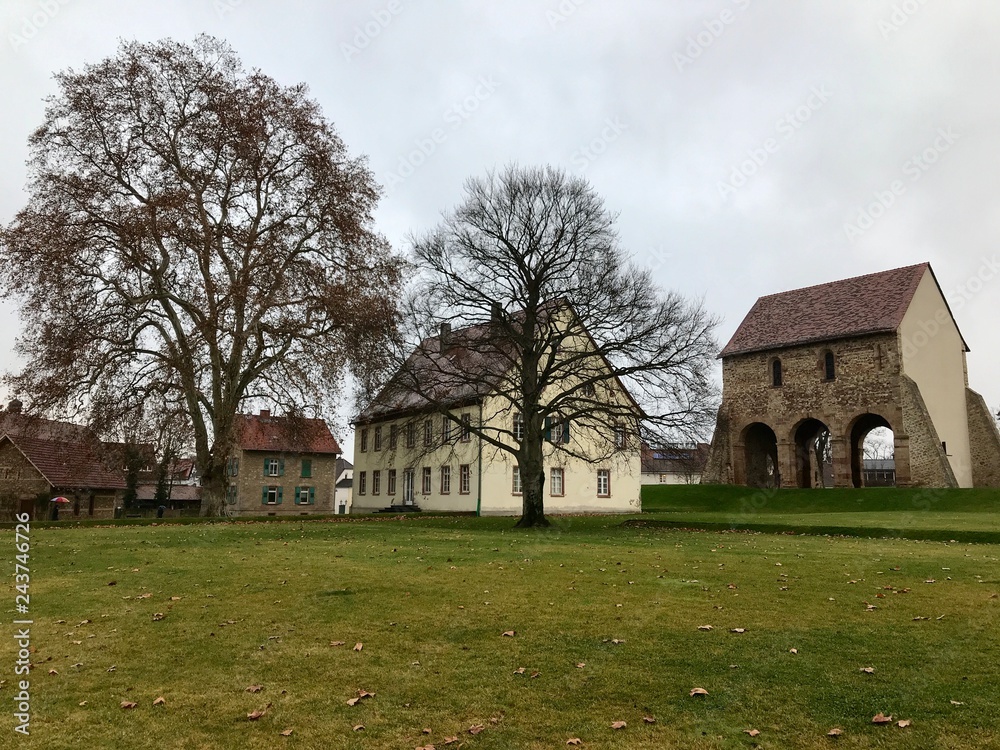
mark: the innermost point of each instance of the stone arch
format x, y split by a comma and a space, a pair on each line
860, 428
760, 446
813, 454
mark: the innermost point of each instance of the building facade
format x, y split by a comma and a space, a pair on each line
831, 363
281, 466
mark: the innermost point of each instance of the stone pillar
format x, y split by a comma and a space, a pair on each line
787, 464
841, 450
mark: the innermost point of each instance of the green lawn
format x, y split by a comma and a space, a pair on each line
260, 604
964, 515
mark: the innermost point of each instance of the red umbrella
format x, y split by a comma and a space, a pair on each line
61, 499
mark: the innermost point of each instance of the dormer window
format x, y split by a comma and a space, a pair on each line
776, 374
829, 366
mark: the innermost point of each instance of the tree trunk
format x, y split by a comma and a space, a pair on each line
532, 488
213, 493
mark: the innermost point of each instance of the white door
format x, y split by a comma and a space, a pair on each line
408, 487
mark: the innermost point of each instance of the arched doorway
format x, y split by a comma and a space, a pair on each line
873, 457
761, 456
813, 455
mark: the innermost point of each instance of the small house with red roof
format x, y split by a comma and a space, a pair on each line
811, 372
281, 466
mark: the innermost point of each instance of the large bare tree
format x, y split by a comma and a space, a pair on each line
196, 238
549, 315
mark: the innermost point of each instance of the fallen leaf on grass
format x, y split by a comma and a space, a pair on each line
158, 616
574, 741
738, 630
82, 703
881, 718
426, 747
358, 727
698, 691
254, 715
835, 732
427, 731
255, 688
752, 732
128, 704
508, 634
112, 668
161, 701
649, 719
704, 627
793, 651
476, 728
618, 725
903, 723
450, 740
358, 646
287, 733
868, 670
336, 643
581, 664
958, 703
52, 671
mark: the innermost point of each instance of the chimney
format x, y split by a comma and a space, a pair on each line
265, 413
14, 407
445, 336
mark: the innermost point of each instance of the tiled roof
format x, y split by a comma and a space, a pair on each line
12, 423
874, 303
464, 371
68, 464
674, 459
262, 432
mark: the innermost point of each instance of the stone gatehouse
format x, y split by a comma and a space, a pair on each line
834, 362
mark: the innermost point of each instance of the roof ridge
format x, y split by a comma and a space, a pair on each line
845, 280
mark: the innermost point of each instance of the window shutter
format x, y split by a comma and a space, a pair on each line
236, 466
266, 461
297, 495
263, 495
565, 430
281, 491
307, 467
548, 428
312, 495
281, 467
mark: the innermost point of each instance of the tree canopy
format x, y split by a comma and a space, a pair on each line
196, 238
562, 317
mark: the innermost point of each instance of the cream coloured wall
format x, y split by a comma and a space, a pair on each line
933, 356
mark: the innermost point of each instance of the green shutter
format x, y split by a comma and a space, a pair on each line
307, 467
566, 431
236, 466
281, 491
312, 495
265, 466
297, 495
281, 467
263, 495
548, 428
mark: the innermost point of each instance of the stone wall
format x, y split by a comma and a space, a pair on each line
985, 442
929, 466
20, 482
250, 481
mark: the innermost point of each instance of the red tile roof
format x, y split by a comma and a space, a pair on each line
862, 305
262, 432
68, 464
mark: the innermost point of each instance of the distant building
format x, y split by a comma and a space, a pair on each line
281, 466
674, 464
344, 486
833, 362
879, 472
41, 459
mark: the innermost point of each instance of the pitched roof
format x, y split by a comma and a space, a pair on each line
262, 432
874, 303
674, 459
16, 423
67, 464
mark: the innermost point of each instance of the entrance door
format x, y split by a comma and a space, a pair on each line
408, 487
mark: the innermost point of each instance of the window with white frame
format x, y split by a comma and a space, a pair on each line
390, 482
445, 430
376, 482
393, 430
515, 484
464, 479
362, 482
272, 467
428, 433
556, 482
364, 439
466, 428
445, 480
425, 480
603, 483
377, 438
272, 495
518, 428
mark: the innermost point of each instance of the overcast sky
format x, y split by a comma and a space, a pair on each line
749, 146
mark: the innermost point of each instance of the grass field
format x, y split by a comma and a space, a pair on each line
933, 514
198, 613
